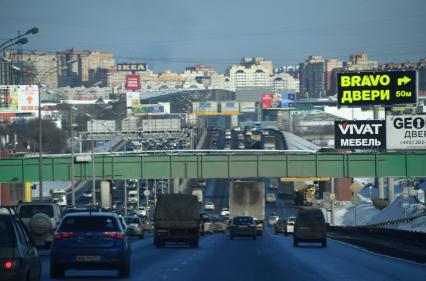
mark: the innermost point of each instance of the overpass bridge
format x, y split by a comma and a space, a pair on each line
216, 164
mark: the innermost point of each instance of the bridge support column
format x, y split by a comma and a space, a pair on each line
176, 184
332, 202
391, 190
381, 184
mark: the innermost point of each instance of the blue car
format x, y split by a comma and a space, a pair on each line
90, 241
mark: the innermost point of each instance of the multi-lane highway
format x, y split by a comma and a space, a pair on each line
270, 257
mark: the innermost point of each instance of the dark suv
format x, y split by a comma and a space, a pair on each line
310, 226
19, 258
90, 241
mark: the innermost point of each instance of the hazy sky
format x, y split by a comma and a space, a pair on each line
172, 34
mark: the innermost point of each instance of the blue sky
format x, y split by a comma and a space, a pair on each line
172, 34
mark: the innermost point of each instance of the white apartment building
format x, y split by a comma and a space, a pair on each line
285, 82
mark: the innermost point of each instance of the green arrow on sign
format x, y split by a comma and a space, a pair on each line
404, 80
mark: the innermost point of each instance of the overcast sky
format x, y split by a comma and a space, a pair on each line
172, 34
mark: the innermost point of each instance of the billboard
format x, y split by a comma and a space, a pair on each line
247, 107
406, 132
133, 82
278, 101
18, 98
148, 109
360, 134
204, 108
131, 67
230, 108
376, 88
133, 99
288, 100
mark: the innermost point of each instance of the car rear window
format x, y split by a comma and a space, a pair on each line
27, 211
310, 217
132, 220
7, 234
89, 223
242, 220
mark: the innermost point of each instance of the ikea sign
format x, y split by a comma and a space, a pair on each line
131, 67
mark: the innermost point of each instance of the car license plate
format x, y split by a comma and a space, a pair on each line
242, 226
88, 258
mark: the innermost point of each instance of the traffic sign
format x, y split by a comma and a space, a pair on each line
376, 88
356, 187
405, 204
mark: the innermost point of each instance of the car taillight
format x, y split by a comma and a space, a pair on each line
10, 265
62, 235
116, 235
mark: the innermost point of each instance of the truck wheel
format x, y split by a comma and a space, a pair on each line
56, 271
295, 242
324, 243
124, 270
194, 243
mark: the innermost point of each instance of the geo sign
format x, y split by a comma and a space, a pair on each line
376, 88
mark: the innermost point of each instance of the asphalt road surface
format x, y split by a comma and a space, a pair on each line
269, 257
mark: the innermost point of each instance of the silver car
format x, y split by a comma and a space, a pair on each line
135, 226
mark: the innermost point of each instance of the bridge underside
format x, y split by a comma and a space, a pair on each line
230, 164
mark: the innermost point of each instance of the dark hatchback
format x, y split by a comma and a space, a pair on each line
310, 226
242, 226
19, 258
90, 241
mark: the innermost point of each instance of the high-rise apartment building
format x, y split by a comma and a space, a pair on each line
360, 62
312, 77
332, 66
54, 69
251, 72
45, 66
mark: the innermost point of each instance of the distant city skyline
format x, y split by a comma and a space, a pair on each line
173, 34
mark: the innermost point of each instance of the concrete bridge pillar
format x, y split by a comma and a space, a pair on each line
391, 190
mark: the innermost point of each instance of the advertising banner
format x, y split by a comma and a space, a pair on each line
376, 88
132, 99
204, 108
406, 132
230, 108
18, 98
133, 82
360, 134
131, 67
148, 109
278, 101
288, 100
247, 107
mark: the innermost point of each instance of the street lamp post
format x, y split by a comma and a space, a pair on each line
40, 138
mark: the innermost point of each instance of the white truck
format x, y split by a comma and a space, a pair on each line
199, 194
247, 198
59, 196
269, 143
